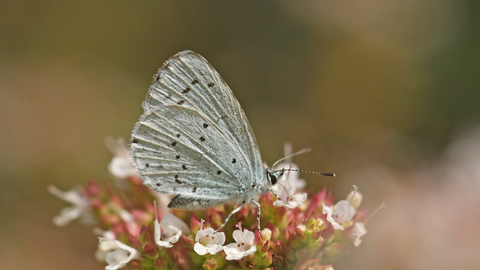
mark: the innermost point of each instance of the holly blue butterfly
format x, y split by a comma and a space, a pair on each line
194, 140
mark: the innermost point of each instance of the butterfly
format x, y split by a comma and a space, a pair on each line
194, 140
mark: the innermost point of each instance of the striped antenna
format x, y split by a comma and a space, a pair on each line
294, 154
322, 173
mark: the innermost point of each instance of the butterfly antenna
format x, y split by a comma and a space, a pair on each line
322, 173
287, 151
294, 154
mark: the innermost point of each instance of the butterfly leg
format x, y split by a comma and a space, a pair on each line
258, 214
233, 212
276, 196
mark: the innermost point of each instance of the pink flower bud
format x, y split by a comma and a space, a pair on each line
150, 250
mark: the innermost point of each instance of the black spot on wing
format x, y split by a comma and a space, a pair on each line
177, 181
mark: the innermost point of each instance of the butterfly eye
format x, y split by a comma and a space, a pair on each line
273, 178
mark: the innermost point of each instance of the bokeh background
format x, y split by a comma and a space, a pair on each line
386, 93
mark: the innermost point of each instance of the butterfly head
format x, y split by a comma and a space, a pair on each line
274, 176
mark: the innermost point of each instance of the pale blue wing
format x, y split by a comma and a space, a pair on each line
194, 138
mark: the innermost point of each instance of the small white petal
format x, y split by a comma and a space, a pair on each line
79, 210
252, 250
161, 243
117, 259
232, 251
200, 234
122, 165
249, 237
293, 204
104, 247
238, 236
66, 215
243, 246
107, 245
214, 249
208, 241
171, 234
355, 198
209, 231
343, 211
121, 256
279, 203
329, 211
169, 230
173, 221
157, 230
219, 238
295, 201
71, 196
358, 231
299, 197
200, 249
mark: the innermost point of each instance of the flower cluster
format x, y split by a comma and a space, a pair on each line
135, 228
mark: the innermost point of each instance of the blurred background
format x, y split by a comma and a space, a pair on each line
386, 93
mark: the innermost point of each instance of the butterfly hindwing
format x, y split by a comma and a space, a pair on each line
194, 139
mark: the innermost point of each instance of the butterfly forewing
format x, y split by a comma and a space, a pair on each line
194, 138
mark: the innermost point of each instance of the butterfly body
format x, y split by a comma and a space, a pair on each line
194, 140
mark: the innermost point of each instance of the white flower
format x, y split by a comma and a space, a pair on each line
329, 211
80, 209
292, 176
355, 198
208, 241
169, 230
340, 213
243, 246
289, 183
357, 231
343, 211
121, 254
104, 246
122, 165
285, 190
